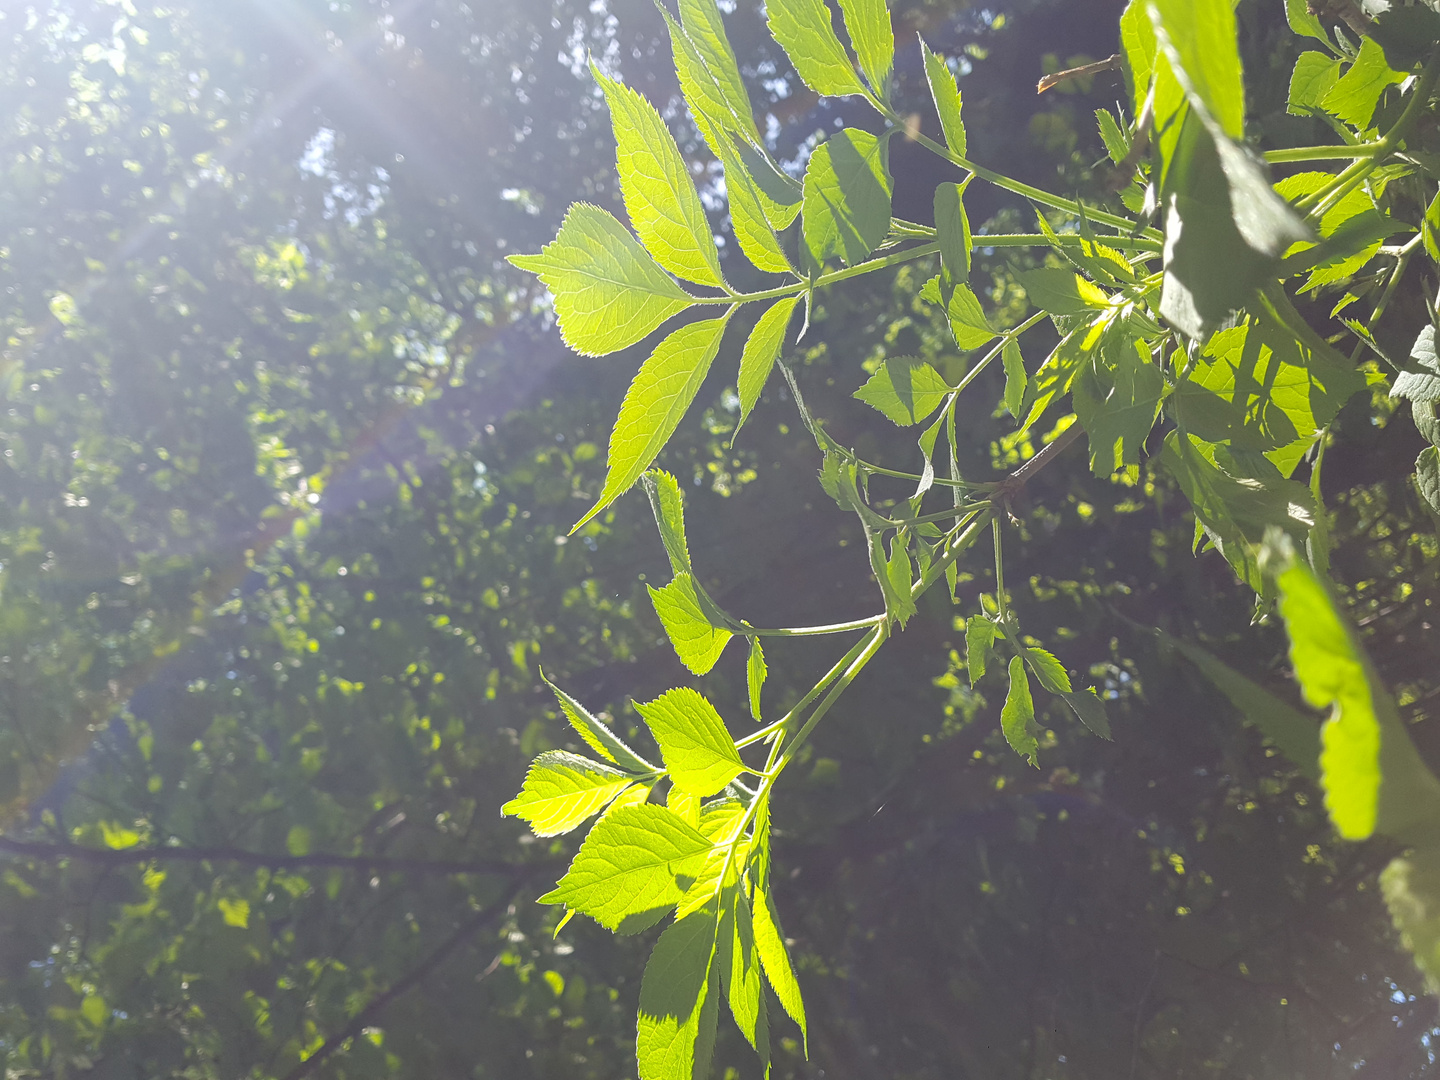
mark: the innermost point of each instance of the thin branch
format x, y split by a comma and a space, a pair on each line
418, 974
363, 863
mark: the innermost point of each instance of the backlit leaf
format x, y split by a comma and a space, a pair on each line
979, 640
1017, 716
609, 292
1297, 12
747, 212
1090, 709
668, 503
1048, 670
698, 751
755, 672
775, 958
703, 25
660, 196
1137, 51
1062, 292
1117, 143
968, 324
899, 605
708, 102
675, 1027
655, 403
1315, 73
762, 348
952, 229
741, 974
1411, 887
696, 642
1430, 229
905, 390
1200, 39
868, 23
1117, 400
846, 205
629, 865
947, 97
597, 736
562, 789
805, 31
1354, 97
1015, 377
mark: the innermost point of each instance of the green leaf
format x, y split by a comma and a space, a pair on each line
667, 502
1117, 143
968, 324
1117, 400
1017, 716
1430, 229
1055, 375
1427, 476
299, 840
948, 100
747, 212
762, 348
678, 1003
780, 192
562, 789
1294, 734
1297, 12
703, 25
1091, 711
1354, 97
770, 944
629, 865
696, 641
93, 1007
1137, 51
1411, 887
660, 196
806, 33
979, 641
905, 390
868, 23
596, 735
952, 229
1423, 385
1406, 34
1314, 75
656, 402
740, 974
1201, 41
1048, 670
899, 605
609, 292
234, 912
709, 104
1062, 292
698, 751
846, 205
1015, 378
755, 673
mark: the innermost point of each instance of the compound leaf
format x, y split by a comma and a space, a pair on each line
698, 751
678, 1013
609, 292
702, 23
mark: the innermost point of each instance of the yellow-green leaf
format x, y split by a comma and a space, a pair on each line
762, 348
946, 94
562, 789
846, 204
702, 23
1017, 716
697, 749
868, 23
805, 31
696, 642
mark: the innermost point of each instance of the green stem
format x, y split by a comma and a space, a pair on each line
1044, 198
868, 647
813, 631
1005, 339
831, 278
1321, 153
999, 570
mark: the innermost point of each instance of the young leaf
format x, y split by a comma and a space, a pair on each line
979, 640
687, 808
968, 323
659, 195
1048, 670
806, 33
1427, 476
629, 863
755, 672
905, 390
1201, 40
1117, 144
655, 403
1297, 13
609, 292
675, 1027
747, 212
597, 736
1091, 711
1017, 716
846, 204
946, 93
667, 502
761, 349
1314, 75
952, 229
1015, 377
740, 974
898, 603
701, 20
697, 749
709, 104
1354, 97
770, 944
696, 641
868, 24
561, 790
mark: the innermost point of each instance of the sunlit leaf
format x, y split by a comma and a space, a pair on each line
1137, 52
1017, 716
755, 672
1314, 75
678, 1010
775, 958
952, 229
1016, 379
1201, 40
1297, 12
660, 196
905, 390
655, 403
948, 100
968, 324
846, 206
562, 789
1117, 143
1354, 97
868, 24
609, 292
703, 25
762, 348
1051, 673
805, 31
979, 640
1117, 400
596, 735
696, 641
899, 605
698, 751
1062, 292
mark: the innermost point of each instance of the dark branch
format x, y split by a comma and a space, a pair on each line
361, 863
422, 971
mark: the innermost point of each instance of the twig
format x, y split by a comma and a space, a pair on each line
1112, 64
